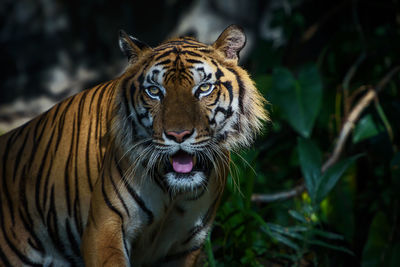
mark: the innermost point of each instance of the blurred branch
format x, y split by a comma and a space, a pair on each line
348, 125
266, 198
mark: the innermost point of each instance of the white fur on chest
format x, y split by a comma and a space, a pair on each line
179, 223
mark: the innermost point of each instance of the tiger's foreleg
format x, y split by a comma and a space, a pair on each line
103, 242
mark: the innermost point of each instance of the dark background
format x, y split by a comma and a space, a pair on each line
313, 60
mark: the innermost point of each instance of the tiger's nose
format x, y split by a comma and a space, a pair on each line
179, 136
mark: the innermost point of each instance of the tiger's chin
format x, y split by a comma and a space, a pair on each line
186, 173
185, 183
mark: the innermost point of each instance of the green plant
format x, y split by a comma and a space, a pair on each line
320, 188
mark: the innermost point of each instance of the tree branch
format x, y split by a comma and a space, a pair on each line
267, 198
348, 125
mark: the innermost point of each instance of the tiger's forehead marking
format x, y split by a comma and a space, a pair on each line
181, 60
194, 73
155, 75
202, 73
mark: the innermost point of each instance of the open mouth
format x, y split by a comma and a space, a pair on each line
182, 162
185, 163
185, 172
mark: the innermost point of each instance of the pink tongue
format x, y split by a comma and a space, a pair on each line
182, 162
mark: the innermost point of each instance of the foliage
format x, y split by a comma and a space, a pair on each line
348, 215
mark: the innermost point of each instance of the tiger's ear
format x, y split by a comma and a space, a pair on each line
231, 41
130, 46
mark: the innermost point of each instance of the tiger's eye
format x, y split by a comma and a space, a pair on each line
154, 90
205, 87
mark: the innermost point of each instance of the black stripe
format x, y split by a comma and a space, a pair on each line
168, 76
164, 62
74, 243
227, 113
4, 258
206, 51
160, 182
53, 119
228, 86
117, 191
40, 176
165, 54
52, 227
110, 105
241, 89
67, 169
218, 73
197, 47
124, 241
77, 206
77, 211
98, 117
19, 154
139, 201
29, 228
87, 154
107, 200
124, 95
181, 211
186, 76
46, 184
194, 54
18, 253
201, 69
216, 99
23, 199
194, 61
61, 123
193, 232
205, 222
38, 138
93, 96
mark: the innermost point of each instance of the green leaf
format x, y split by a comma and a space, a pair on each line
310, 163
326, 234
298, 216
284, 231
365, 128
330, 246
331, 177
284, 240
299, 99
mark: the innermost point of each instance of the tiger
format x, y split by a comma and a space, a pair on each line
130, 172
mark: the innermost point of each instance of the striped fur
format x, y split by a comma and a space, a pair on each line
90, 182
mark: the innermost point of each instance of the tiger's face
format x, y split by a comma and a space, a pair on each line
189, 104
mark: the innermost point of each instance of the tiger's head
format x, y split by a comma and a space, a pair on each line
184, 104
